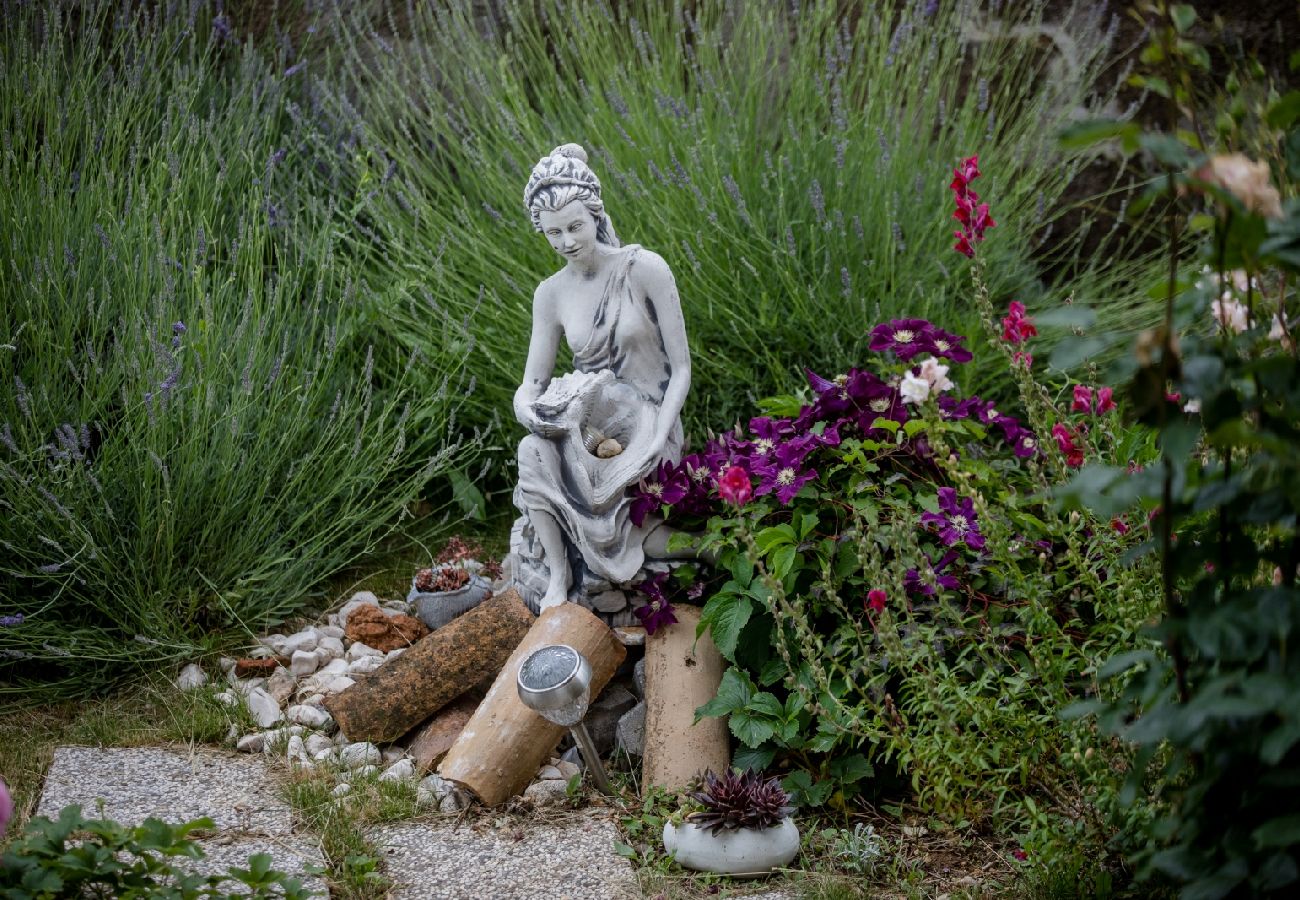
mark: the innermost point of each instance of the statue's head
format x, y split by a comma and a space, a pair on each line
561, 178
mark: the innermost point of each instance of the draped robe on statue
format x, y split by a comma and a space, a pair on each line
620, 377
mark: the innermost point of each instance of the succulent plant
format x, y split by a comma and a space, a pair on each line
739, 800
443, 578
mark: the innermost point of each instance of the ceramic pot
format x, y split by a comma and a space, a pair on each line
744, 852
437, 608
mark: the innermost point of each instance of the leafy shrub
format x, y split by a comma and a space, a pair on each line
78, 857
781, 157
192, 433
1209, 696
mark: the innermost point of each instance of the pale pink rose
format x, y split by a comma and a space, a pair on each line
1230, 315
936, 373
914, 388
1246, 180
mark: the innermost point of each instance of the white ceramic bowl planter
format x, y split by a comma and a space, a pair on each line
743, 851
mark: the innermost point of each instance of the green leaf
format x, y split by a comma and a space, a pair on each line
1183, 15
1285, 111
773, 671
1085, 134
775, 536
851, 769
1122, 662
783, 561
766, 704
624, 850
467, 495
807, 524
726, 615
750, 730
755, 759
733, 694
1166, 149
1283, 831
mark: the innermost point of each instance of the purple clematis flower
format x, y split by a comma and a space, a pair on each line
767, 434
1025, 444
947, 345
914, 584
657, 611
956, 520
666, 486
885, 403
952, 408
785, 474
906, 337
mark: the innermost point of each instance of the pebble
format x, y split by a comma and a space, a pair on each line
549, 773
330, 630
281, 685
341, 789
365, 665
638, 677
359, 650
264, 707
303, 662
366, 771
330, 645
315, 743
275, 642
339, 685
630, 734
311, 716
392, 754
567, 769
251, 743
326, 755
191, 677
303, 640
393, 654
360, 754
295, 750
225, 663
246, 686
230, 698
547, 793
399, 771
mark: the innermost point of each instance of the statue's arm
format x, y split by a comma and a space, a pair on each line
543, 346
655, 279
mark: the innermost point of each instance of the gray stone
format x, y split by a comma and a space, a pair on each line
549, 773
630, 736
547, 793
330, 630
281, 685
310, 716
251, 743
572, 856
191, 677
363, 753
303, 662
331, 645
359, 650
341, 789
612, 600
225, 663
315, 743
339, 685
437, 791
602, 718
303, 640
399, 771
364, 665
638, 677
264, 707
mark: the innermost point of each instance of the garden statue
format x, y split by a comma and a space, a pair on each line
600, 429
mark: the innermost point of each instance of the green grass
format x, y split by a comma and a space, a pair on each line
193, 433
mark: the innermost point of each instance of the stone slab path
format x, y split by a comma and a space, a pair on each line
236, 792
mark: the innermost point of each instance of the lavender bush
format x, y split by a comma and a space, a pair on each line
192, 430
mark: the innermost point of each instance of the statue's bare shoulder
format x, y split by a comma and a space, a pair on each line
650, 273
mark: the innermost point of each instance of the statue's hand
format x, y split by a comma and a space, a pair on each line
542, 428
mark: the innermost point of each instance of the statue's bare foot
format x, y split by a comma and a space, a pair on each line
555, 595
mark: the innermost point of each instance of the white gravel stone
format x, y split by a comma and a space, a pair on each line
549, 773
399, 771
330, 630
360, 598
326, 755
295, 750
366, 771
330, 645
246, 686
251, 743
303, 640
260, 652
392, 753
547, 793
311, 716
339, 685
568, 769
232, 733
230, 698
393, 654
362, 753
303, 663
365, 665
276, 738
359, 650
281, 685
314, 700
341, 789
265, 709
275, 642
315, 743
225, 663
191, 677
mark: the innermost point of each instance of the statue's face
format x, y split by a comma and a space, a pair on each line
571, 230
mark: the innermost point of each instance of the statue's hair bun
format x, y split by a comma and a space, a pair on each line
573, 151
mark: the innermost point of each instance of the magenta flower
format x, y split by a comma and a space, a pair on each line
876, 600
1016, 326
973, 215
666, 486
1067, 442
6, 807
734, 486
955, 521
1105, 400
1082, 399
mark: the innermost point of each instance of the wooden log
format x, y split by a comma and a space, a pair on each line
431, 741
465, 653
505, 742
681, 674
